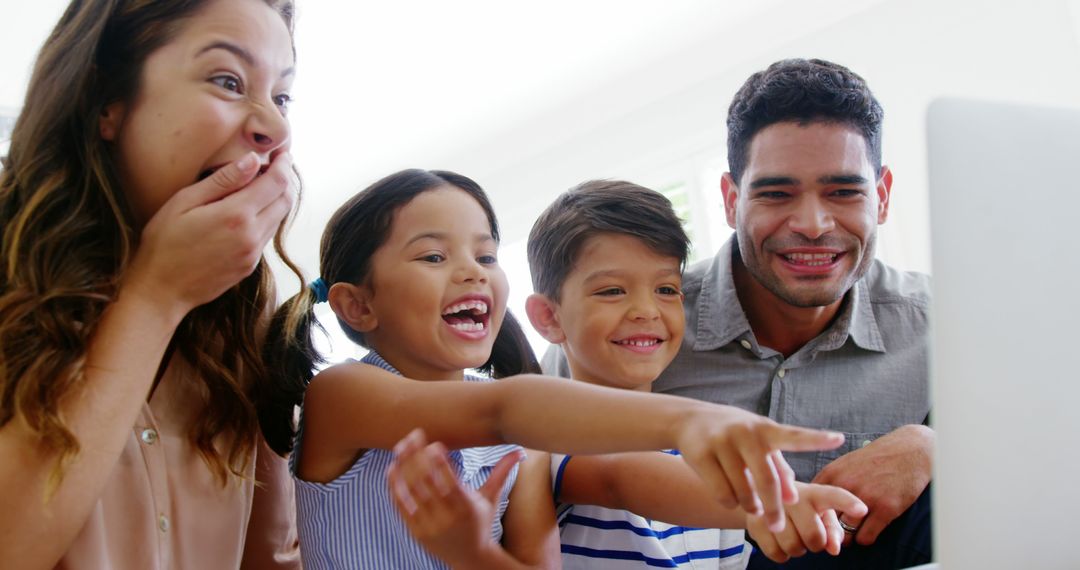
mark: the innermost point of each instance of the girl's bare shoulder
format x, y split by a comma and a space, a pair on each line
349, 377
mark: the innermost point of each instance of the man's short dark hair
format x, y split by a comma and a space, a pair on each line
802, 91
594, 208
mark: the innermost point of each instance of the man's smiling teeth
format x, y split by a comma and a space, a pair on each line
476, 307
629, 342
811, 259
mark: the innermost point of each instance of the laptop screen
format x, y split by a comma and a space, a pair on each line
1005, 240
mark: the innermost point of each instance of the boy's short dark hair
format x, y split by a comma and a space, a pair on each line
802, 91
600, 207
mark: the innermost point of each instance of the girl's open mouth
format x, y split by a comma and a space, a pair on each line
469, 316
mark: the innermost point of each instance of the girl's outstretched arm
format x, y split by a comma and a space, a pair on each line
203, 240
354, 407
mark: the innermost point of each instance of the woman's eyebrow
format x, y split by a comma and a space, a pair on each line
239, 52
231, 48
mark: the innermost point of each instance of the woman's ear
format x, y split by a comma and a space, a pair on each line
112, 116
544, 316
352, 304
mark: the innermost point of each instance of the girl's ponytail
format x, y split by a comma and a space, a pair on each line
511, 353
291, 357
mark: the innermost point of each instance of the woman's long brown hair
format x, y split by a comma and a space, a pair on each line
68, 235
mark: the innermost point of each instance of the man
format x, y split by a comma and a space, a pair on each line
795, 319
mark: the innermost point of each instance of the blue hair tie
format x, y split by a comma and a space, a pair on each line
320, 289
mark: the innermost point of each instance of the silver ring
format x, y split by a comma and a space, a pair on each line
846, 526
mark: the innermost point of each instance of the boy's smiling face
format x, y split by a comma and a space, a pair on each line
620, 316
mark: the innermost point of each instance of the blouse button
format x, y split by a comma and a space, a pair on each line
149, 436
163, 523
745, 344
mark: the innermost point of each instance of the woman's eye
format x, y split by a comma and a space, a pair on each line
228, 82
283, 101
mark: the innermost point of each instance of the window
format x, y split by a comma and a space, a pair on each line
7, 124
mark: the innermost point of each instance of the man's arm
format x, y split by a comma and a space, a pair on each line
888, 475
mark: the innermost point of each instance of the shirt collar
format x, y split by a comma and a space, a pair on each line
862, 325
720, 316
721, 319
375, 359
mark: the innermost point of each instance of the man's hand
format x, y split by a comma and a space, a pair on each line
888, 475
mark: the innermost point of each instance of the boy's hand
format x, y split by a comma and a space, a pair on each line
738, 454
812, 523
450, 520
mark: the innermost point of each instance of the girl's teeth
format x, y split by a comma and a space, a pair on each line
638, 342
477, 308
469, 327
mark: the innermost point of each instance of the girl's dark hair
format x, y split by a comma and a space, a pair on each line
355, 232
68, 234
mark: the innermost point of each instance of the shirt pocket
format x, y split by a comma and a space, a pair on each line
852, 441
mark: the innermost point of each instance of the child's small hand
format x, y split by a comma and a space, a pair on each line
737, 453
813, 523
450, 520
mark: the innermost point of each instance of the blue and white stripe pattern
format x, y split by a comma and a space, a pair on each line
351, 521
596, 537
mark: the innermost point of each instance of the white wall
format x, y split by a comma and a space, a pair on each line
654, 116
909, 52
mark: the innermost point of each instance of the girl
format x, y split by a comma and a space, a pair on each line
411, 264
134, 219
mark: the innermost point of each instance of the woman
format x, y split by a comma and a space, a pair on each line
147, 171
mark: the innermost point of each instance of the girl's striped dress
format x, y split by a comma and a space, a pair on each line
351, 521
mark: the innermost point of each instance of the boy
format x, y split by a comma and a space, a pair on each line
606, 260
